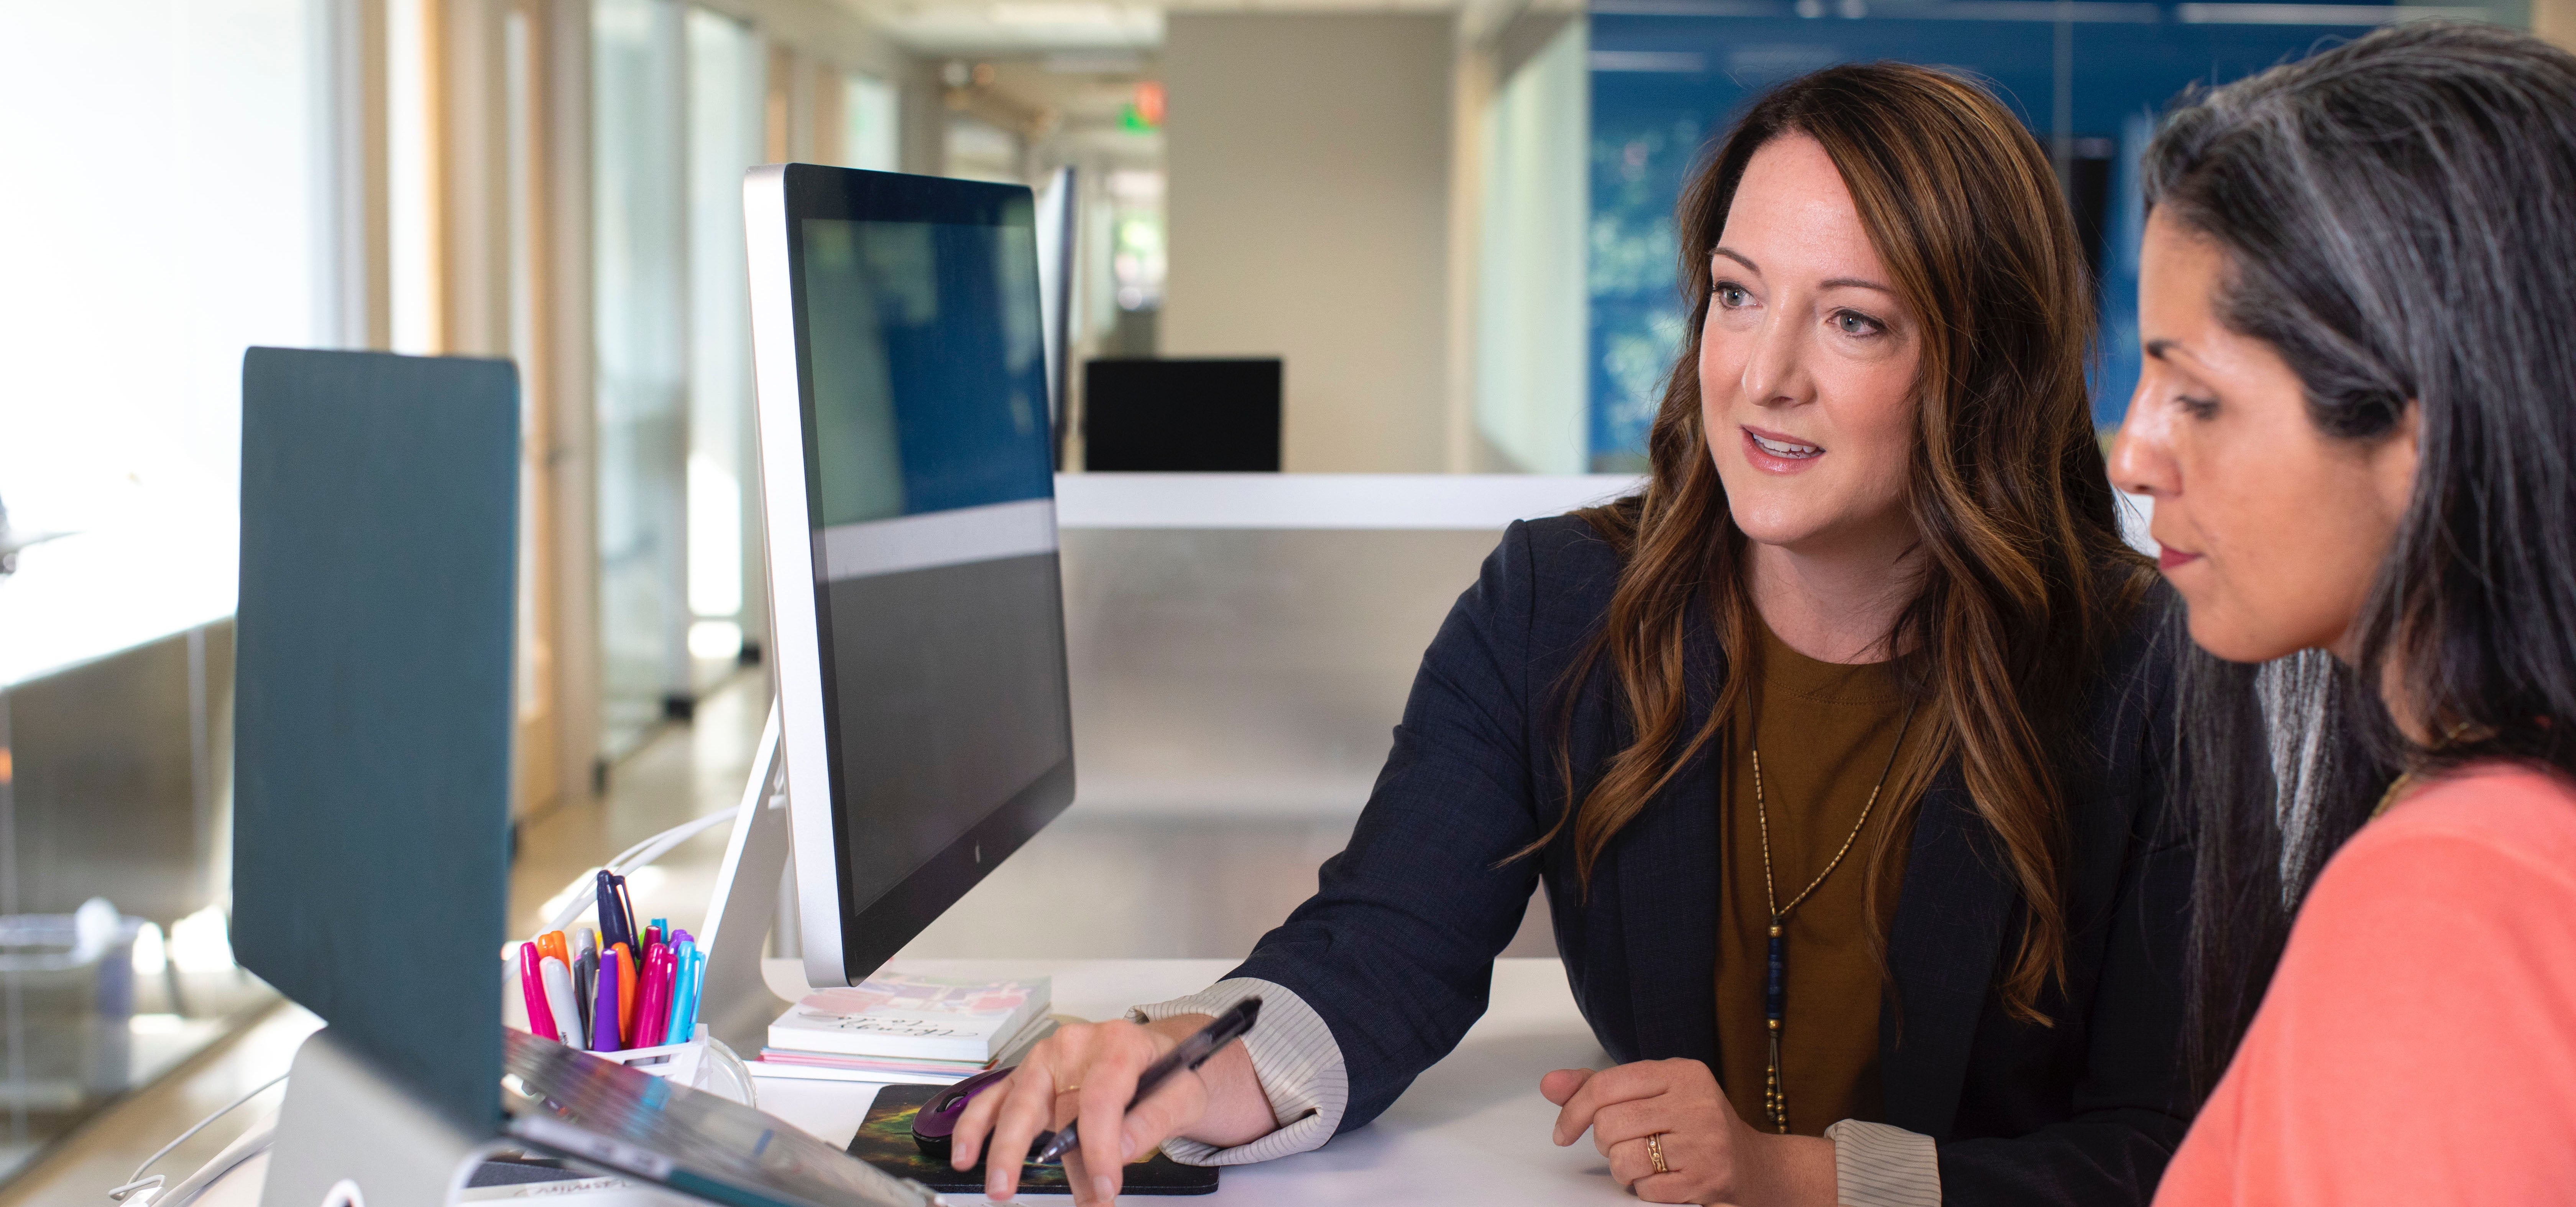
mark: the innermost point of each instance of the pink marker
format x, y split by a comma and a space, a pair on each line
532, 988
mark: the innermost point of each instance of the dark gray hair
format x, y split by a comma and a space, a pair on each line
2398, 216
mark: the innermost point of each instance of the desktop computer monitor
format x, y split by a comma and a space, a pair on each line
916, 610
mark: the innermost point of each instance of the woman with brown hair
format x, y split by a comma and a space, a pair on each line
1837, 748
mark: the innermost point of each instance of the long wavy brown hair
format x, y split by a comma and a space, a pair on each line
2024, 578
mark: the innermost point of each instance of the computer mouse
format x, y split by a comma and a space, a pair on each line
938, 1117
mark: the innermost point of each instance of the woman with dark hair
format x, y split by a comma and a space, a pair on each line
1839, 748
2358, 421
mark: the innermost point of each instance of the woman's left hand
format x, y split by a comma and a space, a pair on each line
1711, 1154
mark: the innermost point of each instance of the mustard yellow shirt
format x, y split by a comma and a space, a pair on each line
1825, 731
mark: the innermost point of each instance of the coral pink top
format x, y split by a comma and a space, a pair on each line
2418, 1044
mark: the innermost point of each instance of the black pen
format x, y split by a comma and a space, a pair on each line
1192, 1053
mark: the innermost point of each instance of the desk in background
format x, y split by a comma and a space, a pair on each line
116, 653
1241, 645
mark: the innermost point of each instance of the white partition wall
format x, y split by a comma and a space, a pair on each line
1529, 361
1308, 218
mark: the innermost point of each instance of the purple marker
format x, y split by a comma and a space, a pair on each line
603, 1011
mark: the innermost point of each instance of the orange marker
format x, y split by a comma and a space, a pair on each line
552, 943
625, 993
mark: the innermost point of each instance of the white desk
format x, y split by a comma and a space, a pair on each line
92, 594
1471, 1131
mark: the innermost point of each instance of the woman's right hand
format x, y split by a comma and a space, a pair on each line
1087, 1072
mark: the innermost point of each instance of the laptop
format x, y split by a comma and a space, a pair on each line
371, 840
633, 1123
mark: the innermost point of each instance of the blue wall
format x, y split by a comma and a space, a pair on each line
1664, 85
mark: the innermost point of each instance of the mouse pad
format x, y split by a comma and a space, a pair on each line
885, 1141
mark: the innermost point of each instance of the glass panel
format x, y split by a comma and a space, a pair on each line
726, 111
641, 315
870, 137
411, 280
115, 819
120, 436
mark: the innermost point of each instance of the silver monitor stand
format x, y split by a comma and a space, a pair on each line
350, 1136
736, 1005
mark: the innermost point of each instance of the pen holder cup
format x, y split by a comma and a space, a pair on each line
704, 1063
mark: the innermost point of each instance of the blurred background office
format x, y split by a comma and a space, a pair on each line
1439, 231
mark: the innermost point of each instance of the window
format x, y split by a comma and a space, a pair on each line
171, 205
869, 135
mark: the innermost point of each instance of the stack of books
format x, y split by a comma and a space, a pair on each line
897, 1028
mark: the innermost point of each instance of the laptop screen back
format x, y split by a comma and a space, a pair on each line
372, 703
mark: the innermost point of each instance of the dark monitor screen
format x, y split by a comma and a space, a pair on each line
928, 503
1191, 415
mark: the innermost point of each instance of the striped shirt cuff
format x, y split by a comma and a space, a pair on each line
1294, 1057
1876, 1165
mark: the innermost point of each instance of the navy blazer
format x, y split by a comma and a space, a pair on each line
1396, 948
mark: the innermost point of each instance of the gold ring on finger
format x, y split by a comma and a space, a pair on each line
1655, 1153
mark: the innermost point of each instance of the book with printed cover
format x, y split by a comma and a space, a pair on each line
790, 1065
902, 1015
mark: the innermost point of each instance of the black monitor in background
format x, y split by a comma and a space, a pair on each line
1181, 416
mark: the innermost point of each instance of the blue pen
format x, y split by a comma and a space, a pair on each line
697, 987
634, 936
612, 922
675, 1030
694, 976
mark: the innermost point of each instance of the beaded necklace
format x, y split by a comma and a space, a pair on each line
1775, 986
2396, 788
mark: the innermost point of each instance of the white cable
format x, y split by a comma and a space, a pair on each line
140, 1184
640, 855
655, 848
253, 1143
769, 766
